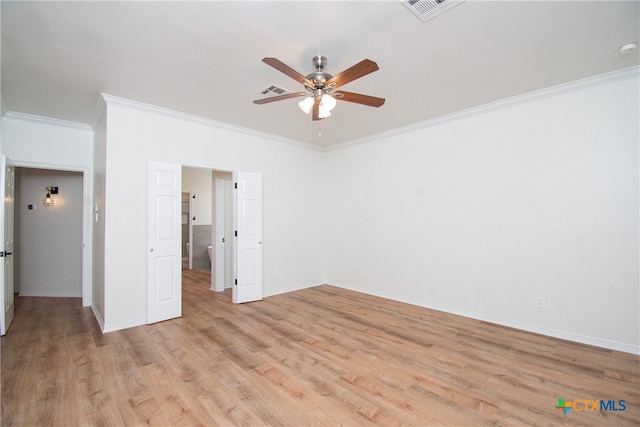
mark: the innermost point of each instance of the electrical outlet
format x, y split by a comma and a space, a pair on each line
541, 301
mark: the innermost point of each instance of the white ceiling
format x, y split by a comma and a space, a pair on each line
204, 58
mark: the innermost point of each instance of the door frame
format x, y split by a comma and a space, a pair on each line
87, 220
218, 238
189, 230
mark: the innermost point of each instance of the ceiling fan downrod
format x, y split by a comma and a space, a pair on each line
319, 62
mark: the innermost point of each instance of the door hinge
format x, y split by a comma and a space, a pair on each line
235, 185
236, 233
236, 282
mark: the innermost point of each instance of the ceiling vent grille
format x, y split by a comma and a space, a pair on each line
427, 9
276, 90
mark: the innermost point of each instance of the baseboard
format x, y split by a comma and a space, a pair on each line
292, 288
104, 327
54, 294
555, 333
112, 327
98, 317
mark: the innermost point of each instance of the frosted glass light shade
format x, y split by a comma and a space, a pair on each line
328, 101
323, 112
306, 104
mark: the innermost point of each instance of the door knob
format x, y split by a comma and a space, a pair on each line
151, 250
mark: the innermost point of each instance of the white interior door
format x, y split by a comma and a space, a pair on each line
7, 193
219, 237
248, 241
164, 255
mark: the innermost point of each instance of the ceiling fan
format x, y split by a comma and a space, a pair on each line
320, 87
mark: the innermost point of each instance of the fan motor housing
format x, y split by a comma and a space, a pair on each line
319, 78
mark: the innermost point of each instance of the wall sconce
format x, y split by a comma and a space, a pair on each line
48, 201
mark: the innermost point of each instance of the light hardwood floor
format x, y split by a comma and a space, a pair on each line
322, 356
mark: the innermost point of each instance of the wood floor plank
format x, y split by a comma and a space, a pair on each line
320, 356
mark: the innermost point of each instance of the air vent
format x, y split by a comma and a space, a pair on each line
275, 90
427, 9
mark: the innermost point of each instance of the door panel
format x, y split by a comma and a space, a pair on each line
7, 193
248, 220
164, 256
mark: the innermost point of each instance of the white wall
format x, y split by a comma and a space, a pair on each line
481, 214
39, 141
292, 205
97, 222
48, 238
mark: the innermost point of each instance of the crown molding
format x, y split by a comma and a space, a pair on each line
140, 106
565, 88
106, 99
47, 121
98, 111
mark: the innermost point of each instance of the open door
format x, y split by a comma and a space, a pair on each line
248, 248
7, 193
164, 256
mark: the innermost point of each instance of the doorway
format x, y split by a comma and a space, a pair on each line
164, 281
48, 236
207, 223
52, 241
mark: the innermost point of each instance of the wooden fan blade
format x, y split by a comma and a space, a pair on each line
279, 98
284, 68
358, 98
362, 68
316, 111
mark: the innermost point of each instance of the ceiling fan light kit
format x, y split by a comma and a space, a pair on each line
320, 87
